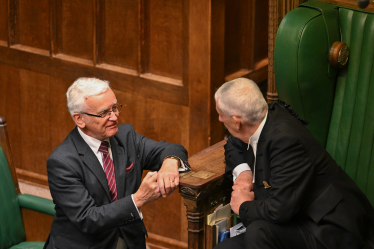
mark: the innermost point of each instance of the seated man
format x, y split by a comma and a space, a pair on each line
95, 174
288, 191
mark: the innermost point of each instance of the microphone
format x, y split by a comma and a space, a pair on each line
363, 3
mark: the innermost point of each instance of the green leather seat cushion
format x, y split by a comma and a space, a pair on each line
28, 245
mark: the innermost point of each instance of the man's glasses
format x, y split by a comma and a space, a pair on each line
116, 109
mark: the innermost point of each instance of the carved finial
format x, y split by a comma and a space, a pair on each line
2, 120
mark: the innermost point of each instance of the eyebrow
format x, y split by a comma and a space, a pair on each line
107, 109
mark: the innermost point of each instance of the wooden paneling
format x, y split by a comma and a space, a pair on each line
200, 79
260, 50
35, 121
10, 106
120, 42
165, 38
34, 30
3, 22
77, 28
61, 122
37, 225
238, 33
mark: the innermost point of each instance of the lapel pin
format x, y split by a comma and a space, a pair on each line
266, 184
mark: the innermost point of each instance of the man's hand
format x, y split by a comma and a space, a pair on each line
245, 180
168, 176
148, 190
238, 196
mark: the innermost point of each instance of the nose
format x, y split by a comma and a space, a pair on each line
113, 116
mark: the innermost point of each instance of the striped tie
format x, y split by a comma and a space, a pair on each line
109, 170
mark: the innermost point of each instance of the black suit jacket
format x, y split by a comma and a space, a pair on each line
306, 183
85, 216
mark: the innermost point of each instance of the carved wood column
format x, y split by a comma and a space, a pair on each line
277, 10
203, 189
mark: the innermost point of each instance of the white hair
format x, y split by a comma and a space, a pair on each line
81, 89
242, 97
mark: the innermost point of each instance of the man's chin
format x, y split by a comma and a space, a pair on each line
111, 131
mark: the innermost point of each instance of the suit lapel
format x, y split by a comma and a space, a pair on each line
119, 160
90, 160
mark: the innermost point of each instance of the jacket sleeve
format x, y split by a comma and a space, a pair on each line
291, 172
152, 153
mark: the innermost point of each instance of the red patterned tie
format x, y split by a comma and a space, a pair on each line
109, 170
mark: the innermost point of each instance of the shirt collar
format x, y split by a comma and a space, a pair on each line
91, 141
254, 138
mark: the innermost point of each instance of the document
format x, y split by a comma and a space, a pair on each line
237, 229
221, 219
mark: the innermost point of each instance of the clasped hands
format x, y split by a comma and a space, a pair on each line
157, 184
242, 190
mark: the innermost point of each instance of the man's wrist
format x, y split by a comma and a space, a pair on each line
175, 158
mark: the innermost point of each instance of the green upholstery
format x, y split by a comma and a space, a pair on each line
28, 245
12, 233
338, 104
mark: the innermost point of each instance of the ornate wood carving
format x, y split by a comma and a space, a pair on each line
200, 191
277, 10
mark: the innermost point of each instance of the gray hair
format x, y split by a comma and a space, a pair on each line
242, 97
81, 89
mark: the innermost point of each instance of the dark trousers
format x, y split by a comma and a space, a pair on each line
262, 234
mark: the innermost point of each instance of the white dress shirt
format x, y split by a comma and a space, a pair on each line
253, 140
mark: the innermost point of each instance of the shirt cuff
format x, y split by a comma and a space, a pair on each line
183, 167
239, 169
138, 209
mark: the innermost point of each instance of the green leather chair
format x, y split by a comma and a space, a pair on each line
12, 233
337, 103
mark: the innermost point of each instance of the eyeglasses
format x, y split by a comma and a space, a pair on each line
116, 109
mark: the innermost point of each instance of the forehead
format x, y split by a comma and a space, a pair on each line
102, 101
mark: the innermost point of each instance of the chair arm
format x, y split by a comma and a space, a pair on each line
37, 203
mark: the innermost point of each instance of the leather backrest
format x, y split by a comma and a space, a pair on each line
11, 226
303, 76
351, 134
339, 105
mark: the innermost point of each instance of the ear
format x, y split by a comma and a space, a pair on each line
238, 122
79, 120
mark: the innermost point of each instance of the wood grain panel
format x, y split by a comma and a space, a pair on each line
34, 23
61, 122
217, 65
200, 80
260, 50
155, 119
165, 38
35, 121
10, 107
239, 33
69, 69
3, 22
77, 28
121, 35
37, 225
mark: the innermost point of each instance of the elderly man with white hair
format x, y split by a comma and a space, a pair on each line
95, 174
288, 191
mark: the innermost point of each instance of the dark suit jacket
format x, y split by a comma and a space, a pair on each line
85, 216
306, 183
